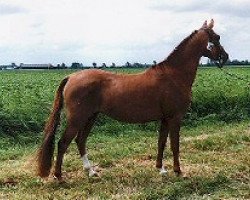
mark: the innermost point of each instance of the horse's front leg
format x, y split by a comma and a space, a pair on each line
163, 134
174, 128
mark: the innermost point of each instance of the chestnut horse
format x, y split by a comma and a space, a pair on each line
162, 92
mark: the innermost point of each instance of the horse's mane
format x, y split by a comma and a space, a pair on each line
174, 55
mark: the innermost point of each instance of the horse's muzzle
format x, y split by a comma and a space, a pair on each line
223, 57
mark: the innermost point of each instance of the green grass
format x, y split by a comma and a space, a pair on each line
215, 143
219, 96
26, 97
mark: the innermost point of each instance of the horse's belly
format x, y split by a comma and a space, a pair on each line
131, 101
133, 114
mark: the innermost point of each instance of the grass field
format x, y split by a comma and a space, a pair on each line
215, 144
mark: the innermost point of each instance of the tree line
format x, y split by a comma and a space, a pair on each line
210, 63
78, 65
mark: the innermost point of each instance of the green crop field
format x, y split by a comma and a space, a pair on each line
215, 144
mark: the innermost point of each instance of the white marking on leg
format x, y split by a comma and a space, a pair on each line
86, 163
87, 166
163, 171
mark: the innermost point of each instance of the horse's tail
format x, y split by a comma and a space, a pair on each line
45, 153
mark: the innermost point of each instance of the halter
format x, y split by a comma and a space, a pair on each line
217, 44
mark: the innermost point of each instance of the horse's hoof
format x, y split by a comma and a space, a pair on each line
93, 173
59, 179
182, 175
178, 173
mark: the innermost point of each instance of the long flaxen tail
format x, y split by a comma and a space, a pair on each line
46, 151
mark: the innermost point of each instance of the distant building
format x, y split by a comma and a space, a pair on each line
11, 66
36, 66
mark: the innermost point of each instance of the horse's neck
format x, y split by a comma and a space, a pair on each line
184, 63
188, 72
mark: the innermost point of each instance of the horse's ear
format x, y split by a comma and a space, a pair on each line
211, 24
204, 26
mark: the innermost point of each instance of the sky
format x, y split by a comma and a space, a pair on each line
119, 31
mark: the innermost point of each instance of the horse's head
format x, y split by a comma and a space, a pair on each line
214, 51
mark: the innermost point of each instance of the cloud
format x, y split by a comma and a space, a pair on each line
7, 9
230, 8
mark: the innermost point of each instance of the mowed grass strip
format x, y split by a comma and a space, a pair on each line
126, 162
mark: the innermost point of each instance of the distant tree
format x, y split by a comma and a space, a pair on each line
235, 62
137, 65
104, 65
246, 62
209, 62
13, 65
228, 62
94, 64
154, 63
76, 65
63, 65
128, 64
113, 65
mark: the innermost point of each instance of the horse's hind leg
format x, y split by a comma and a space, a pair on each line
81, 140
67, 137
